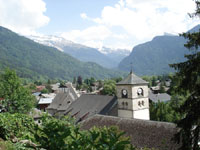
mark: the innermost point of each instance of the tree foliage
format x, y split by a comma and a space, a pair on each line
65, 135
188, 76
167, 111
16, 97
60, 134
109, 87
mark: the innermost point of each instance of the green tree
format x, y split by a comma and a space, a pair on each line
109, 87
161, 111
17, 99
63, 134
188, 76
44, 91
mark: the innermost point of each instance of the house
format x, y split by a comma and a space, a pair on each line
45, 100
44, 103
63, 99
142, 133
88, 105
155, 89
61, 88
162, 97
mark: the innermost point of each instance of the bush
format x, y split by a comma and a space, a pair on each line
18, 126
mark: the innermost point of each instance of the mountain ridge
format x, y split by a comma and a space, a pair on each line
105, 57
35, 61
153, 57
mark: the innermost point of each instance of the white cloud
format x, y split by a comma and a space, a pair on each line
89, 36
23, 16
84, 15
147, 18
139, 20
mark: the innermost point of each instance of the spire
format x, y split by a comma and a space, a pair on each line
131, 67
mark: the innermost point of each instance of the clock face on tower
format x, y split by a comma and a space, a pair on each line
140, 91
124, 93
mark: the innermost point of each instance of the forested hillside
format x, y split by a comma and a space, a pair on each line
154, 57
36, 61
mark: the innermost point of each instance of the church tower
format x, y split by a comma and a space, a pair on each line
132, 95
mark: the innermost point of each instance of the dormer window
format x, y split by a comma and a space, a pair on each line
124, 93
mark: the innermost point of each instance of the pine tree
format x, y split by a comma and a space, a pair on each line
188, 76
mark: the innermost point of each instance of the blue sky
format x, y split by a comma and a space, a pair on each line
98, 23
65, 14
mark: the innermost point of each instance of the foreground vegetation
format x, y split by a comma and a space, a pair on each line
18, 131
21, 132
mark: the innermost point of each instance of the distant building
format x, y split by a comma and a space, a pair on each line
162, 97
65, 96
44, 103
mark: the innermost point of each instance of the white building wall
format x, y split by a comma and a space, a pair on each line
133, 110
141, 114
125, 113
135, 88
135, 103
121, 87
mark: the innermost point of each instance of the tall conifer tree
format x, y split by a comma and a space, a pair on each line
188, 76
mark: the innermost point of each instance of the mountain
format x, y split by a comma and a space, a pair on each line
80, 52
36, 61
195, 29
115, 54
152, 58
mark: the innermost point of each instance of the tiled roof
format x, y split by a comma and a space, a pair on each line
88, 105
132, 79
62, 100
58, 100
142, 133
162, 97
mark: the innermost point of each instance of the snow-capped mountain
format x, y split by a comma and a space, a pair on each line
51, 40
81, 52
115, 54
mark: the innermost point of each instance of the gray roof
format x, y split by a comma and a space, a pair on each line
62, 100
88, 105
132, 79
58, 100
162, 97
142, 133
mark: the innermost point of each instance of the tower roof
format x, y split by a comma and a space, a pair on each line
132, 79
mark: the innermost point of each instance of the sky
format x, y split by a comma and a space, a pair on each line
97, 23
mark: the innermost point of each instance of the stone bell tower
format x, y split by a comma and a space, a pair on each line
132, 95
